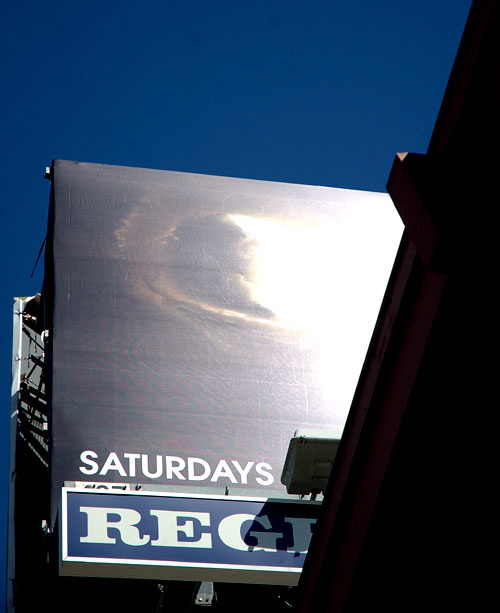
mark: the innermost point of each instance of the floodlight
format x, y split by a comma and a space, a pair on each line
309, 461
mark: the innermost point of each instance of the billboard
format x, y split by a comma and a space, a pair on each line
194, 538
196, 322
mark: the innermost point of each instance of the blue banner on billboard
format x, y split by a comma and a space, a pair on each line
197, 538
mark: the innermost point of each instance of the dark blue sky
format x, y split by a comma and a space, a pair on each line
323, 93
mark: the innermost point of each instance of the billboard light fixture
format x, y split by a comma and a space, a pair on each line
205, 594
309, 461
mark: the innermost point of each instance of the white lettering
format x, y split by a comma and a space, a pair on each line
145, 467
243, 471
131, 457
223, 470
98, 523
230, 533
192, 476
128, 464
113, 463
169, 529
185, 529
85, 458
260, 468
266, 541
173, 466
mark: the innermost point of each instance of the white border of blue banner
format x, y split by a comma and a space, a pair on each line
71, 565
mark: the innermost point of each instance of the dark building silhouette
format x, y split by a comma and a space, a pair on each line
398, 531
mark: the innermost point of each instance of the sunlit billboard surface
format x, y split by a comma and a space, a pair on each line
197, 321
